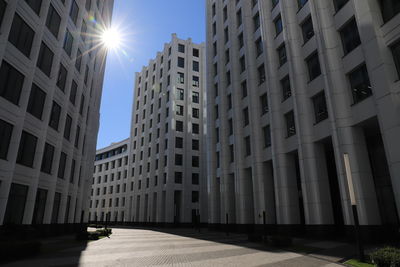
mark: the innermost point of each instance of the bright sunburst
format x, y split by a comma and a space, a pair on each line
111, 38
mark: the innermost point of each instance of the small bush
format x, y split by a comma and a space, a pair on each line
104, 232
386, 257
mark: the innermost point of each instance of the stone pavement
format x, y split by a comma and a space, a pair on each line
179, 247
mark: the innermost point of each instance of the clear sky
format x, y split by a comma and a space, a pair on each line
146, 25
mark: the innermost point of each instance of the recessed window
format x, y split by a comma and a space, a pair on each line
180, 94
67, 128
178, 159
78, 60
396, 56
264, 103
240, 40
6, 130
301, 3
195, 97
68, 41
242, 64
178, 142
256, 22
27, 149
53, 21
72, 95
247, 146
195, 178
389, 8
195, 161
179, 126
307, 29
267, 136
320, 109
3, 6
195, 52
35, 5
21, 35
286, 91
181, 77
181, 48
274, 3
178, 177
11, 82
45, 59
225, 13
339, 4
282, 55
313, 66
350, 37
61, 165
74, 12
243, 86
239, 18
290, 124
196, 66
261, 74
195, 81
226, 34
36, 101
179, 110
278, 25
259, 47
55, 116
195, 128
195, 144
195, 113
47, 160
246, 119
360, 84
62, 77
181, 62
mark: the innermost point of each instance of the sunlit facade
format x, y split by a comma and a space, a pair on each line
51, 77
291, 87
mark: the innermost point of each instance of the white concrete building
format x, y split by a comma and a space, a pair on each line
167, 157
50, 91
291, 87
110, 183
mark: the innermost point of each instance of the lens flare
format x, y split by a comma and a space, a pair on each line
111, 38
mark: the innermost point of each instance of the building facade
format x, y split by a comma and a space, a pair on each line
292, 86
167, 158
51, 75
110, 183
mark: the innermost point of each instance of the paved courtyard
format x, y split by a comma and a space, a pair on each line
183, 247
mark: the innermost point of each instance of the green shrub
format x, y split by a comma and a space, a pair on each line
386, 257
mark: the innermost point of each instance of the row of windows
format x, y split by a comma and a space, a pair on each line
110, 190
113, 176
16, 205
178, 179
110, 203
113, 164
111, 153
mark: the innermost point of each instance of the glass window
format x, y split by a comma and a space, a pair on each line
195, 52
278, 25
72, 95
47, 160
40, 206
181, 48
259, 47
195, 178
21, 35
267, 136
389, 8
36, 101
67, 128
27, 149
195, 81
314, 69
282, 55
68, 41
286, 91
179, 110
45, 59
11, 82
62, 77
195, 113
6, 130
307, 29
360, 84
339, 4
301, 3
264, 103
61, 165
74, 12
55, 116
290, 124
195, 66
179, 126
261, 74
320, 109
181, 62
35, 5
195, 97
246, 119
3, 6
53, 21
247, 145
16, 204
256, 21
350, 37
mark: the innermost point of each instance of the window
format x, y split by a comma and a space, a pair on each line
226, 35
264, 103
72, 95
239, 18
26, 150
40, 206
261, 74
286, 91
314, 69
178, 177
244, 89
36, 101
350, 37
195, 113
307, 29
78, 60
225, 13
259, 47
35, 5
179, 110
290, 124
74, 12
278, 25
195, 161
217, 135
55, 116
5, 138
195, 178
181, 48
78, 131
229, 100
282, 54
62, 77
274, 3
178, 142
195, 52
68, 41
179, 126
230, 123
256, 21
61, 165
88, 5
82, 104
195, 66
396, 56
53, 21
195, 128
240, 40
45, 60
242, 64
16, 204
178, 159
214, 27
21, 35
247, 145
360, 84
195, 81
181, 62
181, 77
245, 116
67, 128
195, 97
301, 3
195, 196
389, 9
320, 109
339, 4
47, 160
180, 94
267, 136
3, 6
11, 81
195, 144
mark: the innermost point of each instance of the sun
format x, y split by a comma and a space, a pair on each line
111, 38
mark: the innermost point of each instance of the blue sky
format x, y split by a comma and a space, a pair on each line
146, 25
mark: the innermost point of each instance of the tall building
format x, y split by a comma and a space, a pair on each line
292, 86
51, 75
110, 183
167, 158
